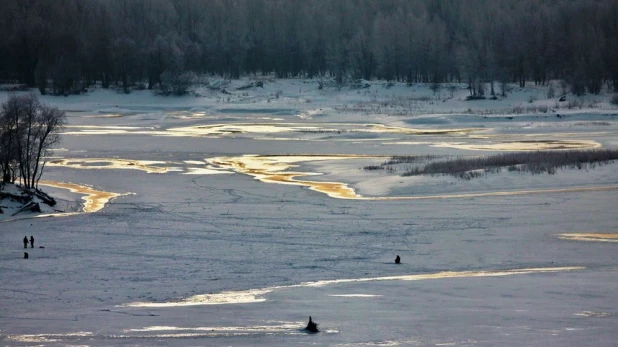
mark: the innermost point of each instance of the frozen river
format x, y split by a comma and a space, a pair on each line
202, 243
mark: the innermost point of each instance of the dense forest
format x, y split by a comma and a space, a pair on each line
64, 46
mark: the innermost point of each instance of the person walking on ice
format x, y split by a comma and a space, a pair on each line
25, 241
31, 241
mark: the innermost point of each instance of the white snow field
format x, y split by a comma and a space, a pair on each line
228, 220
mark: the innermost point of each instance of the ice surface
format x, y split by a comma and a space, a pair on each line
156, 247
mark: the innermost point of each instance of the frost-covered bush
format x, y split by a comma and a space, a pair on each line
536, 162
575, 103
435, 87
176, 83
551, 93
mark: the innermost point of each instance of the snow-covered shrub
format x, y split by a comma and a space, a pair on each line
176, 83
14, 88
575, 103
451, 88
435, 87
475, 97
614, 99
578, 87
551, 93
564, 87
505, 88
533, 162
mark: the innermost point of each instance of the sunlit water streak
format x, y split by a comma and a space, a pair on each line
52, 337
262, 128
356, 295
204, 171
170, 332
561, 135
148, 166
523, 145
273, 169
504, 193
94, 200
593, 314
283, 326
257, 295
385, 343
597, 237
112, 163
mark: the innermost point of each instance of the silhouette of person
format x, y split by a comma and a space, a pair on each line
31, 241
398, 260
25, 241
312, 326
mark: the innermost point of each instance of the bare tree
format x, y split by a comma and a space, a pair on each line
125, 56
9, 119
50, 120
28, 129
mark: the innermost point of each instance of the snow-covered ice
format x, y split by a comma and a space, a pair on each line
230, 219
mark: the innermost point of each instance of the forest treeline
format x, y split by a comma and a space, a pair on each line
64, 46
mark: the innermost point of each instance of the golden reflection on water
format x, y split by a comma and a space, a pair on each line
38, 338
272, 169
532, 145
598, 237
271, 128
561, 135
593, 314
94, 199
262, 128
505, 193
168, 332
256, 295
111, 163
282, 326
104, 130
110, 115
380, 128
356, 295
240, 128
